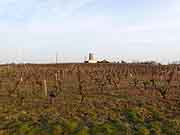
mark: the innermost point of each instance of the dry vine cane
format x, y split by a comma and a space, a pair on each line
134, 80
162, 88
80, 86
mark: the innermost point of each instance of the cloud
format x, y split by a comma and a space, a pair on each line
22, 11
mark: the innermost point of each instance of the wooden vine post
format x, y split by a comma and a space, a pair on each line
45, 88
56, 81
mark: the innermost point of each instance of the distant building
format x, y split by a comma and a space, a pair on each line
150, 63
91, 59
104, 61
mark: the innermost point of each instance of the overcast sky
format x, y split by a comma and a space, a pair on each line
34, 30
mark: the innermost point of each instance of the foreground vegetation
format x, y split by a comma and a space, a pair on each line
22, 120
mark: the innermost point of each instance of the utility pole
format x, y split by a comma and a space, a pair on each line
56, 57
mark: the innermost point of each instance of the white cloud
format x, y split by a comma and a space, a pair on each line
34, 10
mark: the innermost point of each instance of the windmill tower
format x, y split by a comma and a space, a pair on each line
91, 58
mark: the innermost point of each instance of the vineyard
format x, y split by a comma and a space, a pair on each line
89, 99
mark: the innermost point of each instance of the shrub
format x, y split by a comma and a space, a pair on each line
171, 127
134, 116
155, 128
142, 131
111, 128
156, 115
83, 131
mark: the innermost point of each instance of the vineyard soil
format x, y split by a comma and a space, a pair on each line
89, 99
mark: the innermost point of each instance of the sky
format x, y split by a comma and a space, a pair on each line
131, 30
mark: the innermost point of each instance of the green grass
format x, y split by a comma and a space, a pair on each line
131, 121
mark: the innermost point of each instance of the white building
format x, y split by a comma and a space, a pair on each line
91, 59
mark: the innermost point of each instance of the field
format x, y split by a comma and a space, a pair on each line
89, 99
